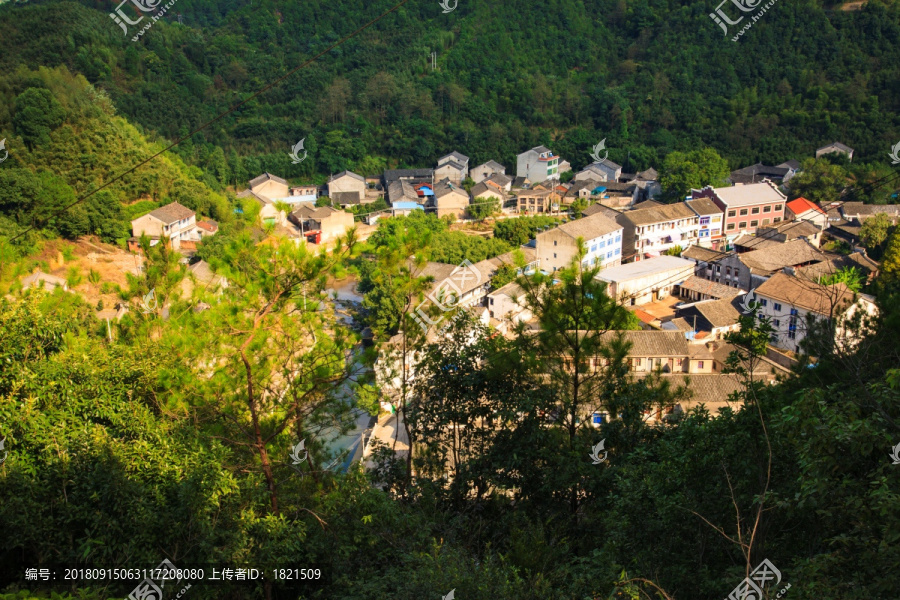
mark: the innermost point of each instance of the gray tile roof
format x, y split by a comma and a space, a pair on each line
590, 227
397, 174
808, 295
170, 213
347, 174
710, 288
652, 343
703, 206
703, 254
758, 172
837, 145
660, 214
492, 165
462, 159
264, 178
775, 258
718, 313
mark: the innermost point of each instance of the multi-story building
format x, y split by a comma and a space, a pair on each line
710, 219
173, 221
454, 166
602, 238
537, 165
746, 206
791, 302
646, 281
650, 232
535, 201
485, 170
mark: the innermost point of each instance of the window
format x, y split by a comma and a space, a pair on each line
677, 362
728, 271
554, 243
765, 221
704, 220
636, 362
777, 207
618, 251
609, 254
776, 322
792, 335
754, 210
743, 224
699, 364
618, 238
776, 220
767, 209
754, 223
793, 312
743, 212
763, 302
554, 255
718, 269
704, 233
598, 418
593, 248
731, 213
730, 227
716, 231
776, 306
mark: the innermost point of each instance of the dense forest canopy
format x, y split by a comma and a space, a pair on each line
649, 77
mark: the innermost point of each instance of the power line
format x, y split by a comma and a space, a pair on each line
220, 116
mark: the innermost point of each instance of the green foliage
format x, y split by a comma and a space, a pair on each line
874, 233
674, 251
323, 201
37, 114
506, 273
852, 277
482, 208
820, 181
890, 263
683, 171
578, 206
519, 231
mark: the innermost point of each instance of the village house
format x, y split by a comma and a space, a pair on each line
716, 317
696, 289
200, 275
557, 247
270, 186
646, 281
409, 175
605, 170
322, 224
535, 201
648, 184
499, 181
207, 227
404, 191
507, 306
835, 147
746, 206
453, 166
485, 170
666, 351
758, 172
704, 260
173, 221
750, 269
710, 219
801, 209
450, 199
789, 302
488, 192
650, 232
537, 165
773, 235
347, 188
859, 212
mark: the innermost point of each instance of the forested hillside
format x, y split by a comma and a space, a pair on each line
649, 76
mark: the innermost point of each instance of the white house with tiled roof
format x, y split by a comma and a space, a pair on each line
538, 164
173, 221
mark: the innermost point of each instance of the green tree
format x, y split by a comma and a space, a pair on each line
820, 181
482, 208
37, 115
684, 171
874, 232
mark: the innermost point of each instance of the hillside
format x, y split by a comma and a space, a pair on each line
649, 77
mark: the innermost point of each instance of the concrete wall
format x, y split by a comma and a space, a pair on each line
272, 189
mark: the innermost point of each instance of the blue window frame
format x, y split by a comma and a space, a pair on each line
593, 248
764, 302
776, 306
609, 254
618, 238
618, 251
793, 312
